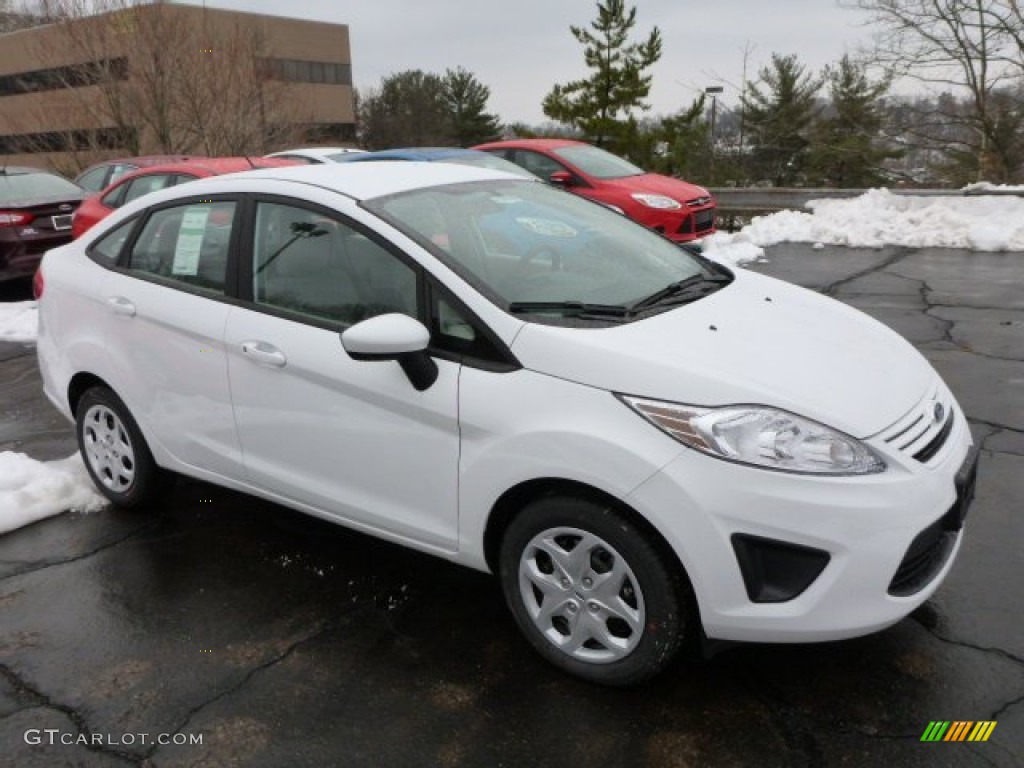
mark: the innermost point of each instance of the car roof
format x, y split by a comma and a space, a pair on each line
208, 166
365, 181
533, 144
21, 170
144, 161
413, 153
316, 152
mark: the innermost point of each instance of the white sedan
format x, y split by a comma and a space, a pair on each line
643, 445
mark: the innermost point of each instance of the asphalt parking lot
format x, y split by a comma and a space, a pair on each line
281, 640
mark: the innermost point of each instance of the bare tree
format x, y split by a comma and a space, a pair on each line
149, 76
955, 45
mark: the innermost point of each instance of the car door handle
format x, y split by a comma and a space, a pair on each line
119, 305
261, 352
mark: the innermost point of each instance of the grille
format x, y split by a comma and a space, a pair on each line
705, 220
923, 432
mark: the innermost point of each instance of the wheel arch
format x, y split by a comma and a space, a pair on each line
80, 383
518, 496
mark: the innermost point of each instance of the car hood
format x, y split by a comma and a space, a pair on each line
756, 341
655, 183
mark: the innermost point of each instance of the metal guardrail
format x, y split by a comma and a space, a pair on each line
741, 200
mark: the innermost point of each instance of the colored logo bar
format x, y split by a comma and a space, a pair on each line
958, 730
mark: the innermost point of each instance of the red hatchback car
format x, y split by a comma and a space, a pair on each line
677, 209
146, 180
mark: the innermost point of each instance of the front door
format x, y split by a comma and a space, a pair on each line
352, 440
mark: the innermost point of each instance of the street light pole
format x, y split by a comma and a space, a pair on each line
713, 90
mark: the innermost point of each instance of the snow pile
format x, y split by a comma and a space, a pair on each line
878, 218
31, 490
19, 321
988, 186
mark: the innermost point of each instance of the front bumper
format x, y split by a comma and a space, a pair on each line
873, 528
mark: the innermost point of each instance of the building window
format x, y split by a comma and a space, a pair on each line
299, 71
67, 141
74, 76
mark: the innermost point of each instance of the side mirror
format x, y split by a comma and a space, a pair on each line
393, 337
561, 178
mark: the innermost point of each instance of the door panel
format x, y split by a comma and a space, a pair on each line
354, 439
164, 329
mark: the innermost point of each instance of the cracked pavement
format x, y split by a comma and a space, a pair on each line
286, 641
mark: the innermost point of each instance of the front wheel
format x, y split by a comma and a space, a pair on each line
114, 451
593, 592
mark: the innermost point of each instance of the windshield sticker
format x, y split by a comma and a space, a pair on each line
190, 242
546, 227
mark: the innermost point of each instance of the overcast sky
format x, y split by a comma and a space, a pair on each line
520, 48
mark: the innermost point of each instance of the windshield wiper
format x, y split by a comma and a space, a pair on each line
682, 291
569, 308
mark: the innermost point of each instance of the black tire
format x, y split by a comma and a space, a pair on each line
122, 466
636, 604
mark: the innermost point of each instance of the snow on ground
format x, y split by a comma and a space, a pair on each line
19, 321
878, 218
31, 490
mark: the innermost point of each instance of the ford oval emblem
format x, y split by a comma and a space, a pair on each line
65, 207
938, 412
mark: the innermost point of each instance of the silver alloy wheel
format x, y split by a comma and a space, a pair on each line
582, 595
108, 449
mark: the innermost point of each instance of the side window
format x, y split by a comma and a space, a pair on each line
187, 244
539, 165
115, 197
181, 178
143, 185
451, 331
107, 249
119, 171
312, 264
93, 180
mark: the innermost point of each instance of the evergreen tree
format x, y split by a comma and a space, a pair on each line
846, 150
407, 110
780, 110
465, 100
618, 84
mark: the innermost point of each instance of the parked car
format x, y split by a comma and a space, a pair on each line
102, 175
35, 215
454, 155
642, 444
677, 209
317, 155
145, 180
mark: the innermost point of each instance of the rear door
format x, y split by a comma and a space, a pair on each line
166, 309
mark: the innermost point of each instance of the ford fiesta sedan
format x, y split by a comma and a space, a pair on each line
644, 446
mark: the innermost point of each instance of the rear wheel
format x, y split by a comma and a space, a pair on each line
114, 451
593, 592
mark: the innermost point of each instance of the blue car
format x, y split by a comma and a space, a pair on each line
452, 155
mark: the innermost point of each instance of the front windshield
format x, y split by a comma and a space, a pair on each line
598, 163
525, 243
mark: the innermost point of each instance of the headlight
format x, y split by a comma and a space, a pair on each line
656, 201
761, 436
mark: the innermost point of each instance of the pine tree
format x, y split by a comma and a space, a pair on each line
779, 111
618, 85
465, 99
847, 150
407, 109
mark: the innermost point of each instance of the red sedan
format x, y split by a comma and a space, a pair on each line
677, 209
145, 180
